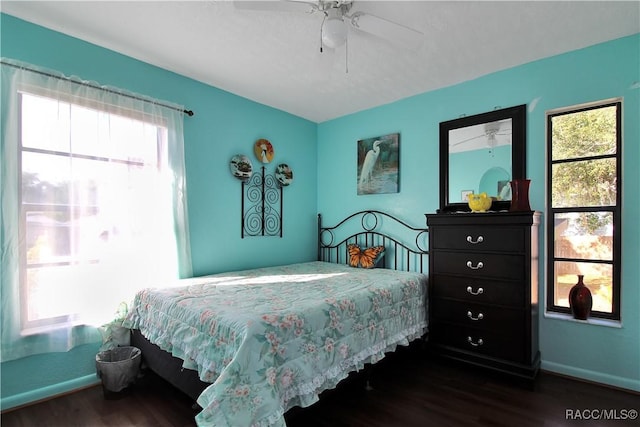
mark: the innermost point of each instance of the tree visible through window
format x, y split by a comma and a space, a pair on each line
584, 206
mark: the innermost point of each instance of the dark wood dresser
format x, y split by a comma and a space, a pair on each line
483, 284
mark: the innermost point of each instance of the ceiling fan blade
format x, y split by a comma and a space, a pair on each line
467, 140
389, 30
278, 6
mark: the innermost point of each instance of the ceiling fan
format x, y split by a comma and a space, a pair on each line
487, 133
339, 17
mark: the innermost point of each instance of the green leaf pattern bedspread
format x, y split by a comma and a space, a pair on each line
272, 338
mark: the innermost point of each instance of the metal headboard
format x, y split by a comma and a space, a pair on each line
405, 246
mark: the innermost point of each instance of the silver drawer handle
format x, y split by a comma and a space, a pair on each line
477, 267
479, 317
480, 239
472, 292
475, 344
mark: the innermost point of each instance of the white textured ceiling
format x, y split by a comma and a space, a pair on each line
273, 57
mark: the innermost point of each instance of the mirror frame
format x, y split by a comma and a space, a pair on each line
518, 115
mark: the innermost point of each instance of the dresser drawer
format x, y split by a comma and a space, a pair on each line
478, 290
473, 238
470, 264
484, 317
484, 342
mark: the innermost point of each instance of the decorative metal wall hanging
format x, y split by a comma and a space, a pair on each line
261, 205
261, 193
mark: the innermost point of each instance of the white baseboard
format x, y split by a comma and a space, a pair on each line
598, 377
48, 392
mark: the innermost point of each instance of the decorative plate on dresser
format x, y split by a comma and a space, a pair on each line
484, 289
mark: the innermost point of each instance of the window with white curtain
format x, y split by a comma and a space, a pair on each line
93, 207
88, 207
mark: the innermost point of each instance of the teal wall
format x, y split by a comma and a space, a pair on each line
482, 167
600, 353
223, 125
323, 158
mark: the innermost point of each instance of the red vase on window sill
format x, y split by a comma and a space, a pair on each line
580, 300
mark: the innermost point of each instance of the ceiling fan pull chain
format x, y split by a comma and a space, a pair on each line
346, 56
321, 27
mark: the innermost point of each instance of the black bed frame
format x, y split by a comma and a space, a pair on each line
374, 229
365, 228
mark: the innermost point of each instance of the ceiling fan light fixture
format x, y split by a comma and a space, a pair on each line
334, 30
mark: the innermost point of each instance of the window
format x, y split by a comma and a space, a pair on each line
583, 199
93, 196
91, 209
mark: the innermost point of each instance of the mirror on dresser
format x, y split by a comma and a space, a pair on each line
482, 153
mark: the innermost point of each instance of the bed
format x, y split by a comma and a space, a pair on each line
249, 345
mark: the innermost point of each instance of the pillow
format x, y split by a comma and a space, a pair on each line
364, 258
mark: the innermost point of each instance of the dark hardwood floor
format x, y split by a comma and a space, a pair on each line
410, 388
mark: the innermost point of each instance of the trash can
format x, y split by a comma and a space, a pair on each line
118, 368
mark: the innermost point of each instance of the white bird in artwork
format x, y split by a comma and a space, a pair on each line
264, 157
369, 162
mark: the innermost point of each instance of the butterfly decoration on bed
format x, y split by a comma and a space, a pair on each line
364, 258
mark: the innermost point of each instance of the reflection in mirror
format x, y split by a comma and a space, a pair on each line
495, 182
479, 160
481, 153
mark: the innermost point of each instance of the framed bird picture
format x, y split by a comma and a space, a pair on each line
378, 164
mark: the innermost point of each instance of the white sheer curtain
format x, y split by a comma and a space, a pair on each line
93, 206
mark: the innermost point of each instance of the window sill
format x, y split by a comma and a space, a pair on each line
45, 329
591, 321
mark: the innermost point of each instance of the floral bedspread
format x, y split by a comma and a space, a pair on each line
272, 338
